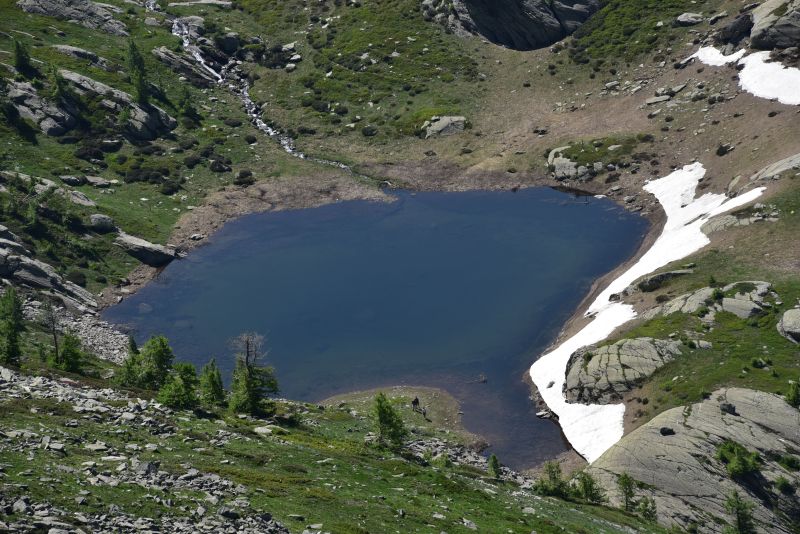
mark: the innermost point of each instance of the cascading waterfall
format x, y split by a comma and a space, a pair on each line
238, 84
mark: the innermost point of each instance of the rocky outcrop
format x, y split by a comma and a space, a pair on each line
42, 185
517, 24
17, 265
51, 118
776, 24
145, 121
600, 375
789, 325
184, 66
86, 55
743, 299
655, 281
84, 12
447, 125
145, 251
222, 505
674, 455
688, 19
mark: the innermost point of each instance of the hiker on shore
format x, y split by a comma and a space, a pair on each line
415, 404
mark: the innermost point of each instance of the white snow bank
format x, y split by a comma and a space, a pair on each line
770, 80
711, 56
592, 429
764, 79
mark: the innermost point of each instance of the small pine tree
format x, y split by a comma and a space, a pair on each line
626, 486
149, 368
50, 321
552, 483
60, 88
133, 348
251, 383
180, 387
742, 514
11, 327
22, 59
212, 393
156, 361
588, 489
793, 397
494, 466
138, 73
647, 508
389, 425
70, 356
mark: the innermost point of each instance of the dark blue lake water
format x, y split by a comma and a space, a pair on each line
434, 289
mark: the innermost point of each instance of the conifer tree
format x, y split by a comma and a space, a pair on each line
212, 392
11, 327
252, 382
389, 425
22, 59
138, 73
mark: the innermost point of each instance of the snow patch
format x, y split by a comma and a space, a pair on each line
711, 56
758, 76
770, 80
593, 429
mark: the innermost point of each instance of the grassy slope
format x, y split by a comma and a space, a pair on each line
756, 253
319, 468
138, 208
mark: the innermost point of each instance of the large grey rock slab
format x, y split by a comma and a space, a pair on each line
84, 12
776, 24
674, 455
600, 375
686, 303
447, 125
86, 55
517, 24
688, 19
185, 66
52, 118
145, 122
789, 325
146, 252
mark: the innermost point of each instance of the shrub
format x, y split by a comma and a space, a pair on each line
70, 356
742, 514
494, 466
647, 508
738, 461
552, 483
793, 396
170, 187
192, 160
148, 367
77, 277
588, 489
783, 485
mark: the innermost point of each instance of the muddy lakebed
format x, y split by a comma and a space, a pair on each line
459, 291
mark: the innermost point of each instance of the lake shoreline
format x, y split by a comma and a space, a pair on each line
233, 203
